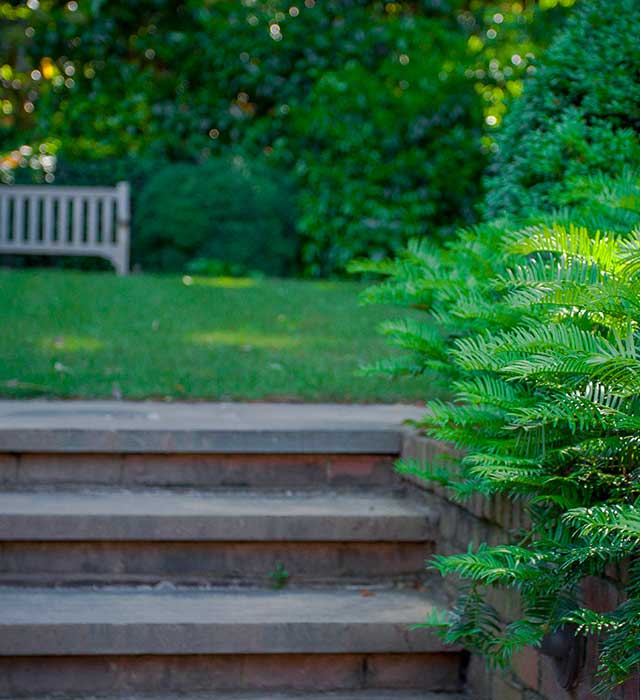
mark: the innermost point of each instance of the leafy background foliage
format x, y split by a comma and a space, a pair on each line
375, 108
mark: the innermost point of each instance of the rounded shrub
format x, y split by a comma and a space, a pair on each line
578, 115
222, 210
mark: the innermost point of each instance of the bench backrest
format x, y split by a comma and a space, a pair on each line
51, 220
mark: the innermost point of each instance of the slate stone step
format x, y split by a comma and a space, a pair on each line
113, 536
229, 517
145, 427
204, 446
169, 642
117, 643
67, 622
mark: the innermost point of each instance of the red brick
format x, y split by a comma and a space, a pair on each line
631, 689
201, 470
525, 666
366, 469
502, 689
437, 672
301, 672
479, 679
8, 469
64, 469
129, 675
601, 595
549, 687
59, 563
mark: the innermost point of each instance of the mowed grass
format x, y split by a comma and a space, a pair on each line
93, 335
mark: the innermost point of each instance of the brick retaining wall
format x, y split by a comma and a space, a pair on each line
494, 520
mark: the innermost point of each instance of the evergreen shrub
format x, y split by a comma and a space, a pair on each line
536, 330
578, 115
222, 211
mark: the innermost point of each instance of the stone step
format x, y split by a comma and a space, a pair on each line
231, 517
126, 621
124, 537
125, 493
66, 642
146, 427
203, 446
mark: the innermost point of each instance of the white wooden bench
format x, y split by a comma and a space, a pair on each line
51, 220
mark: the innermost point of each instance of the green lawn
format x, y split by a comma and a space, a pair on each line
80, 334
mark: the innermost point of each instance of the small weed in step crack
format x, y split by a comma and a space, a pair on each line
279, 576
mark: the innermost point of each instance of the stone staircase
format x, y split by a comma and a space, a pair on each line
209, 551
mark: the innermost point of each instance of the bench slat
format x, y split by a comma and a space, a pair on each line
4, 218
63, 220
32, 231
47, 221
18, 219
108, 206
92, 221
78, 211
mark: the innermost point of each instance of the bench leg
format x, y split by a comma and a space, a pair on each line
121, 263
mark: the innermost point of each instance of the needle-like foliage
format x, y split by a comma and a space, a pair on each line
537, 331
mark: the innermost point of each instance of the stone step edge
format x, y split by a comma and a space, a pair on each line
217, 427
115, 515
386, 441
71, 622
